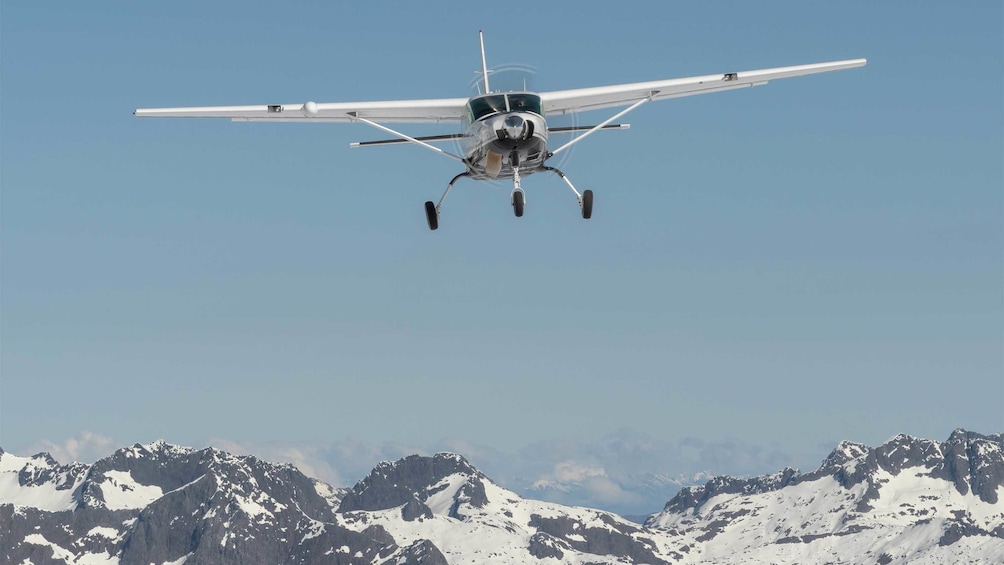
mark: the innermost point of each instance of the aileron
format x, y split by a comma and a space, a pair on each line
447, 110
599, 97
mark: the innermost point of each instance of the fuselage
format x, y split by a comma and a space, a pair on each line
503, 131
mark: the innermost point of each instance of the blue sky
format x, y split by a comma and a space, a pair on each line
777, 268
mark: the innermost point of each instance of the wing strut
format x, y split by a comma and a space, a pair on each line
573, 129
406, 137
444, 137
602, 125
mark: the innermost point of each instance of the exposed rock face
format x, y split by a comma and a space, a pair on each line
908, 492
415, 477
543, 546
160, 503
616, 540
422, 552
44, 470
415, 510
695, 497
907, 501
976, 462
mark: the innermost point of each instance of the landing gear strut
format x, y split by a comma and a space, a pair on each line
585, 199
432, 210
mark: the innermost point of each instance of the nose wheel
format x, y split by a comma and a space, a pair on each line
518, 197
518, 201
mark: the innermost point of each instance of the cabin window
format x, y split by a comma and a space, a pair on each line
525, 103
487, 105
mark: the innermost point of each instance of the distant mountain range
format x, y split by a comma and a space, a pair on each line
909, 500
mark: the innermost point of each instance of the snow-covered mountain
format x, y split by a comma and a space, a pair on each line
907, 501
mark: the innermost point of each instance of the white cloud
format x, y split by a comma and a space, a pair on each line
339, 463
605, 493
570, 471
86, 447
309, 459
585, 484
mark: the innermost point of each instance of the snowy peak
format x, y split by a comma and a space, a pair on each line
905, 452
159, 449
135, 476
444, 477
908, 500
40, 481
972, 462
845, 452
445, 501
161, 503
976, 462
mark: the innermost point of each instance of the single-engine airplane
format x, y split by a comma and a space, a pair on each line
505, 134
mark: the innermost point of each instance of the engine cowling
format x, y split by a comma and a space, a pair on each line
515, 128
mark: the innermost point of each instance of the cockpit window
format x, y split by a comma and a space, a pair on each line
525, 103
496, 103
485, 105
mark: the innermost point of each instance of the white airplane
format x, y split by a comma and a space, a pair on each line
504, 134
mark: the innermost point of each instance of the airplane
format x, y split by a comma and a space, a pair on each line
504, 134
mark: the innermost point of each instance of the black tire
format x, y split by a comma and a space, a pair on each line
517, 203
431, 216
587, 204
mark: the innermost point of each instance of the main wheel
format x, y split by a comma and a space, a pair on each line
517, 203
431, 216
587, 204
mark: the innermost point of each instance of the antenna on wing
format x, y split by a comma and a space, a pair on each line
484, 65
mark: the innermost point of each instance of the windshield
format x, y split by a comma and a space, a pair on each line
495, 103
525, 103
481, 107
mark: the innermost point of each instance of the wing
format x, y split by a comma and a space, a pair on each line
445, 110
583, 99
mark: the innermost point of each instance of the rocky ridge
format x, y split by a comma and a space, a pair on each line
909, 500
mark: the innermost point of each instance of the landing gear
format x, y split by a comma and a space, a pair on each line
432, 210
431, 215
585, 199
587, 204
517, 203
518, 198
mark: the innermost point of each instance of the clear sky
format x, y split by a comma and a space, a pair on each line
778, 268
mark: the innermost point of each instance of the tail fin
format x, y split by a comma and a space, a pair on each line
484, 65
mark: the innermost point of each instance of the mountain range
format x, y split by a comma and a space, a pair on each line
909, 500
